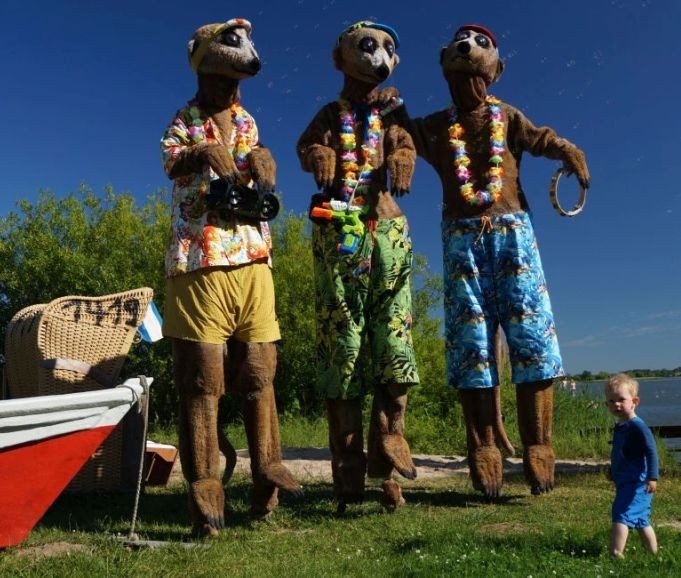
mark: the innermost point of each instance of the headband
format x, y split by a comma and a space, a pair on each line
370, 24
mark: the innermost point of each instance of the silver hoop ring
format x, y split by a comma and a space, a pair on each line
553, 192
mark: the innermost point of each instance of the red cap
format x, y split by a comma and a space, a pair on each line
478, 28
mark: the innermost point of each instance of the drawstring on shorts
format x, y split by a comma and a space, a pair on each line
485, 227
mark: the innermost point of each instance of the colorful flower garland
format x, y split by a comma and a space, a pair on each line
242, 133
497, 149
355, 176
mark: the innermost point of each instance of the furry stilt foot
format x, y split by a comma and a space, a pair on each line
204, 531
207, 506
343, 501
396, 450
278, 475
484, 429
348, 462
388, 448
486, 470
535, 422
264, 499
539, 463
392, 496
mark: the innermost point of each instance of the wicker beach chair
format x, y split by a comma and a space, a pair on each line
21, 348
75, 344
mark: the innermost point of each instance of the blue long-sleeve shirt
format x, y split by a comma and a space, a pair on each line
634, 453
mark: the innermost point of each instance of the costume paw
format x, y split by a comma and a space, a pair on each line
209, 499
486, 470
539, 463
322, 160
574, 162
392, 496
401, 164
388, 96
396, 450
263, 168
217, 158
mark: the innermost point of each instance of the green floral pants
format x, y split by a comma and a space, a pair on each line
363, 297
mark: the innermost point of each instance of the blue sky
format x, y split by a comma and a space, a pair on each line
89, 87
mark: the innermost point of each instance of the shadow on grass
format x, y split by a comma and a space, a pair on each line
163, 512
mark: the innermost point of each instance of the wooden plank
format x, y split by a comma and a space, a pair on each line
667, 432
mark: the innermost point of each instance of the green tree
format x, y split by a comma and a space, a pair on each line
294, 285
88, 244
432, 396
85, 244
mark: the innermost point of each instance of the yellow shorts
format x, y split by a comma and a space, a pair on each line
214, 304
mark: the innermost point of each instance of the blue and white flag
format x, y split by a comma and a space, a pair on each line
150, 330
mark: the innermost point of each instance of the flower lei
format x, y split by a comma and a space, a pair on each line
355, 176
496, 148
243, 130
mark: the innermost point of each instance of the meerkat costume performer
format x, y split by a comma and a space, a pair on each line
492, 270
362, 259
220, 297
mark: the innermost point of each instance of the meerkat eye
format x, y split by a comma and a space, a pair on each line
389, 47
231, 38
482, 40
368, 44
462, 35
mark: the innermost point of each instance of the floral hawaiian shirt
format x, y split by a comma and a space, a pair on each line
202, 238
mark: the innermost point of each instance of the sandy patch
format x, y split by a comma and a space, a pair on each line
503, 529
314, 464
51, 550
674, 524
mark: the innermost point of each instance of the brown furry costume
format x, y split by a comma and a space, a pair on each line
197, 142
470, 63
365, 54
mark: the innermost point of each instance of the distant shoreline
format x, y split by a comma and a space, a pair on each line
646, 378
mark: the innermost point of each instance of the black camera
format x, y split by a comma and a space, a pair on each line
234, 200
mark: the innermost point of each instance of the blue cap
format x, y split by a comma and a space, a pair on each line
369, 24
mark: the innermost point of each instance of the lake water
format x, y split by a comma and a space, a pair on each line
660, 399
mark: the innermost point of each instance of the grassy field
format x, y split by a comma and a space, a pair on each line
444, 530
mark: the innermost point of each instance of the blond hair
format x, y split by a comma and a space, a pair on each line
622, 380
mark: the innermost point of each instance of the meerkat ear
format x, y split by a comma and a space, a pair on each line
190, 48
337, 57
500, 69
442, 54
396, 59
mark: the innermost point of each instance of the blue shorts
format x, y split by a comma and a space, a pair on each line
632, 505
493, 276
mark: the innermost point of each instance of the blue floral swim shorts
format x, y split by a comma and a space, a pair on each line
493, 276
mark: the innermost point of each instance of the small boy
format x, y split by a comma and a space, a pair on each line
634, 466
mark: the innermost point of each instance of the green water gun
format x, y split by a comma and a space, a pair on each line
352, 227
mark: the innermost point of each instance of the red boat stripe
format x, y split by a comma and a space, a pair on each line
34, 474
